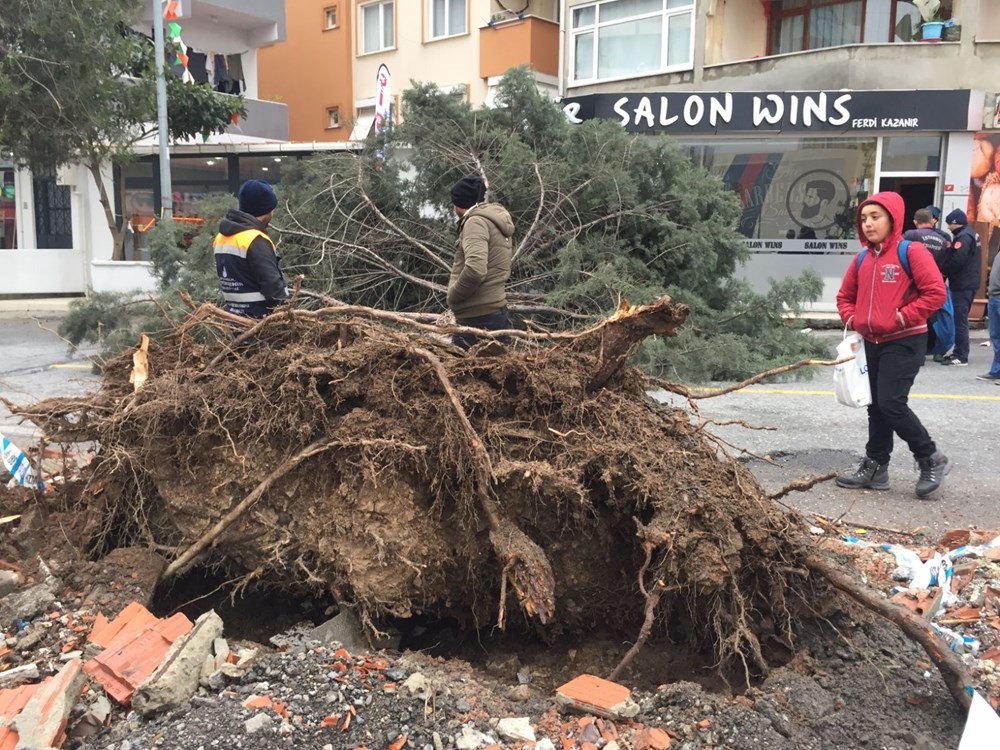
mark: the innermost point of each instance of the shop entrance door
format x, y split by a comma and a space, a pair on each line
917, 192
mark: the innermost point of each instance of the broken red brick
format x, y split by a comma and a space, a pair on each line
962, 575
991, 654
652, 738
330, 721
923, 603
258, 701
954, 539
130, 657
131, 621
594, 695
398, 744
705, 724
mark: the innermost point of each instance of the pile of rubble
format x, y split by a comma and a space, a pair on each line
89, 671
954, 584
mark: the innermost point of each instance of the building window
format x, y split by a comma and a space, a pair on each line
798, 25
631, 38
53, 213
8, 208
330, 17
332, 117
377, 26
447, 18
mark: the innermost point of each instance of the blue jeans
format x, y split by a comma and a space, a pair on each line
993, 311
962, 300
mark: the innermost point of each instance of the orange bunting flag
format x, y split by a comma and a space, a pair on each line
171, 12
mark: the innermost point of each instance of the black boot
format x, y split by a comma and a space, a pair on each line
870, 475
933, 470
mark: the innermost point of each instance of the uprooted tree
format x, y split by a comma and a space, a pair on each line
532, 484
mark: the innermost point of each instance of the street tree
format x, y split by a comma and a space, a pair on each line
78, 86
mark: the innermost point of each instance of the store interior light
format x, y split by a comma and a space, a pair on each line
210, 162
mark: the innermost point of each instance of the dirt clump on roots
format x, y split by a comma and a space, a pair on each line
531, 483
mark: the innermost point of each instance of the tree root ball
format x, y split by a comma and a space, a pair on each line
532, 483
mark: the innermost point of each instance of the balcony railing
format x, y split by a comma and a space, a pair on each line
523, 41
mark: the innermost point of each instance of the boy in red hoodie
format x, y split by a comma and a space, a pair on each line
890, 308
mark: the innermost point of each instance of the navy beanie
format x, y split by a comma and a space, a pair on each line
957, 217
935, 212
257, 198
468, 191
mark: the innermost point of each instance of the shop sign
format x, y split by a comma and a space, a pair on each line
803, 247
795, 112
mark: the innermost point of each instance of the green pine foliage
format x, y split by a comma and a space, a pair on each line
602, 216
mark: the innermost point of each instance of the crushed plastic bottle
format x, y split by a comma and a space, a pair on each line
960, 644
18, 465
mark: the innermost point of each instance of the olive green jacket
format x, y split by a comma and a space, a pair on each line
478, 282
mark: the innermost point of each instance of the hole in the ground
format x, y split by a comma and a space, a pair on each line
257, 613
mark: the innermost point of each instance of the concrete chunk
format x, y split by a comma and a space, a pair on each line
177, 677
28, 603
42, 722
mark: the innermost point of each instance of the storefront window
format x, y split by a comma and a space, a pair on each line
194, 178
140, 200
8, 208
266, 168
793, 188
916, 153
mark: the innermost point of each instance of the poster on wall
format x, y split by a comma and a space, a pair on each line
984, 190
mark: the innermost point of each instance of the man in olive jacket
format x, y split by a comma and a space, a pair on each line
477, 287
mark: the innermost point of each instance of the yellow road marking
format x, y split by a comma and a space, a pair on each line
71, 366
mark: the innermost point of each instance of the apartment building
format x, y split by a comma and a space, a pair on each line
803, 107
326, 71
53, 233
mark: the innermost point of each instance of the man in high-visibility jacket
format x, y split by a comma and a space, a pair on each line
245, 257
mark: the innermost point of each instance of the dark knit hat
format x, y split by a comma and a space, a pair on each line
957, 217
257, 198
935, 212
468, 191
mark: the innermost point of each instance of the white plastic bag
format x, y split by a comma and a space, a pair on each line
850, 379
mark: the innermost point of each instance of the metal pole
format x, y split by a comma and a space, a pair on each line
166, 188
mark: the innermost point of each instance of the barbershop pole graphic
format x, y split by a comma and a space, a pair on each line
383, 104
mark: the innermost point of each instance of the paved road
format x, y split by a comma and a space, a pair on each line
813, 434
36, 363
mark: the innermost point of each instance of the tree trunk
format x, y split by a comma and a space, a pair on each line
117, 233
616, 339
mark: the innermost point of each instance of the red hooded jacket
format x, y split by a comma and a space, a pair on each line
873, 298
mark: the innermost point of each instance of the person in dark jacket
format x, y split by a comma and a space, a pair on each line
245, 257
890, 308
962, 269
477, 286
928, 235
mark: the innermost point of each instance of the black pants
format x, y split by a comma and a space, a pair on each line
962, 301
892, 366
494, 321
